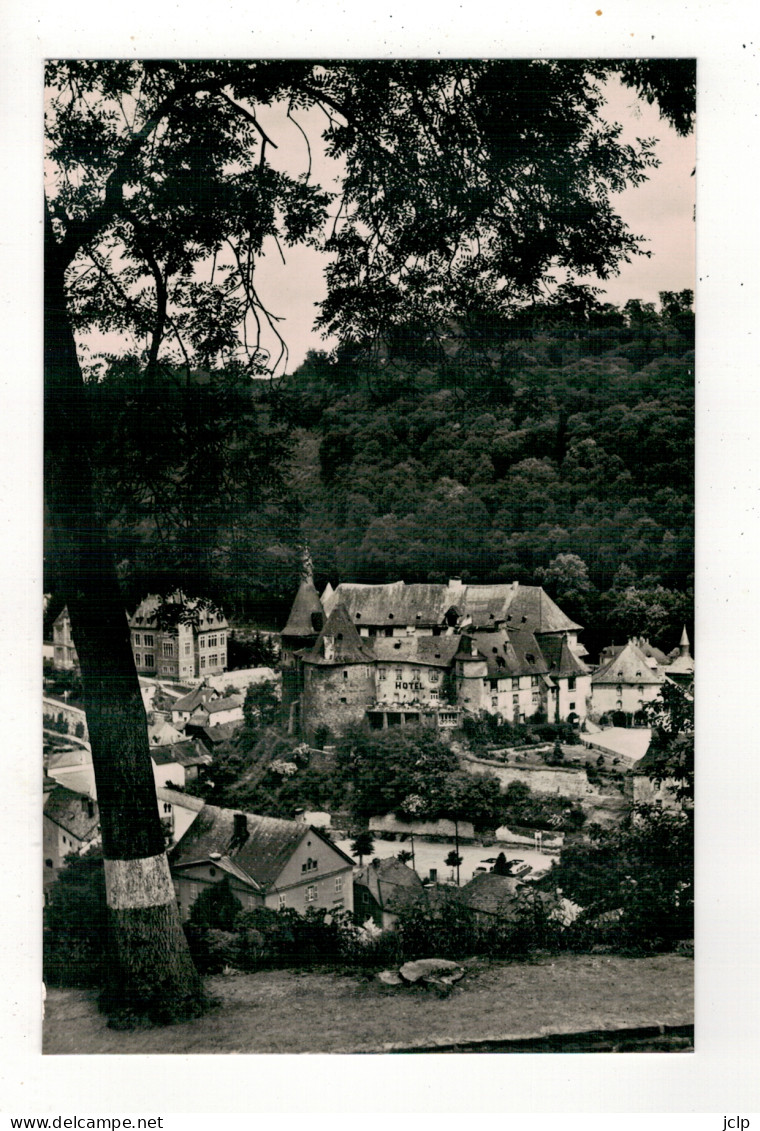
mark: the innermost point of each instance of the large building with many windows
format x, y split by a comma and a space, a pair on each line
177, 645
399, 654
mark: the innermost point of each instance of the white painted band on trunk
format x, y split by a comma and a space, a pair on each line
138, 883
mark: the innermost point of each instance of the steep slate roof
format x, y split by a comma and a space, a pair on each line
183, 753
490, 893
391, 883
395, 603
526, 606
508, 652
431, 651
560, 657
629, 666
199, 695
214, 706
306, 614
348, 646
261, 856
540, 612
74, 812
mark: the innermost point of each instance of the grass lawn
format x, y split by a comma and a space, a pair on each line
287, 1011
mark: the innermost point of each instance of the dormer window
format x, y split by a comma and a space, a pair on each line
530, 657
397, 644
390, 616
358, 616
523, 620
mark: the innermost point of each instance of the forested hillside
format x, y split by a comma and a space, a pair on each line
558, 451
555, 449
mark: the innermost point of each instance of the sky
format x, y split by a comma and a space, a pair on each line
662, 210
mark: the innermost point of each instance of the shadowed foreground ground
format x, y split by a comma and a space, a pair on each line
285, 1011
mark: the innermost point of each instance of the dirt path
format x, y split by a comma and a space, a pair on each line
289, 1012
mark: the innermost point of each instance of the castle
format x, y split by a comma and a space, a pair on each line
429, 653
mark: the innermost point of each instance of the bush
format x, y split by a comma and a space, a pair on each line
216, 907
76, 924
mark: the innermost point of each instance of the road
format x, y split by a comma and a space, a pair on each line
429, 855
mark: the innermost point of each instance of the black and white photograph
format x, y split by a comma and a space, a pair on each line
369, 660
379, 432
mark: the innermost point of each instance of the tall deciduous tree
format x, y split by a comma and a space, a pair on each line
465, 184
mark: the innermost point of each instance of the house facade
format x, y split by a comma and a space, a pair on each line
70, 824
626, 683
399, 654
268, 862
178, 650
64, 653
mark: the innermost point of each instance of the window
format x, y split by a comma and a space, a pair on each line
434, 695
516, 683
149, 660
137, 659
434, 677
201, 641
212, 641
168, 648
515, 700
137, 638
148, 639
494, 700
382, 673
48, 863
221, 638
167, 807
187, 647
203, 661
309, 865
571, 683
535, 697
339, 883
280, 901
212, 660
345, 675
641, 689
399, 673
572, 706
311, 893
534, 681
343, 699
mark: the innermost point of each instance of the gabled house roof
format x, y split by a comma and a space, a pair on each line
630, 666
532, 608
426, 605
390, 882
182, 753
258, 853
561, 659
510, 652
347, 646
145, 615
198, 695
430, 651
74, 812
490, 892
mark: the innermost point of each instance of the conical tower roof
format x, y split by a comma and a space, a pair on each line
306, 615
346, 644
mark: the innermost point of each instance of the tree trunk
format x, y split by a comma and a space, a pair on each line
152, 972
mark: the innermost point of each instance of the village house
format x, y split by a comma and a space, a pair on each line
174, 648
268, 862
623, 686
399, 654
178, 763
383, 888
70, 824
177, 811
64, 653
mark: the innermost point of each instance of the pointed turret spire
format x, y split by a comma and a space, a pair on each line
684, 646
